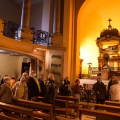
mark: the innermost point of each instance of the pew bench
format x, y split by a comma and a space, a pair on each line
112, 103
13, 111
61, 106
101, 115
4, 117
71, 102
40, 110
108, 108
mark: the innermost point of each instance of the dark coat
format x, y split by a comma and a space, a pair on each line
101, 88
49, 92
5, 94
42, 86
33, 90
66, 82
63, 90
109, 85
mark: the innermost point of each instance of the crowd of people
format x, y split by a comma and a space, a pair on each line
28, 87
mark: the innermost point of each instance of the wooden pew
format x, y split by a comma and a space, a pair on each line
101, 115
41, 108
4, 117
61, 106
108, 108
70, 101
112, 103
15, 111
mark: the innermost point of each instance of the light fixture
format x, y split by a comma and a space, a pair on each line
89, 64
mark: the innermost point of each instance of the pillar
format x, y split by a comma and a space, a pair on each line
26, 18
57, 11
24, 33
57, 38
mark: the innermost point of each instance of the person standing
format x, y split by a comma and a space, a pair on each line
20, 89
5, 91
100, 91
76, 89
33, 86
111, 83
63, 90
12, 81
42, 85
50, 91
115, 91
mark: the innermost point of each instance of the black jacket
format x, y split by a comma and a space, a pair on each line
32, 88
101, 88
49, 91
63, 90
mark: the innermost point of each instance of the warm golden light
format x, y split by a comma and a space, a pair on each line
92, 19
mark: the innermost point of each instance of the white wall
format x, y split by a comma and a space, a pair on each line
11, 65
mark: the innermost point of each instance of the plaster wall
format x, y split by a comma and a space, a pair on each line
11, 65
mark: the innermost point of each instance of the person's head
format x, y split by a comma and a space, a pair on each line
7, 80
23, 79
62, 82
114, 82
114, 77
66, 78
25, 74
77, 81
99, 79
33, 73
51, 76
42, 76
13, 77
6, 75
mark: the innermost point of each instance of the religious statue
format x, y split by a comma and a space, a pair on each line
106, 58
105, 72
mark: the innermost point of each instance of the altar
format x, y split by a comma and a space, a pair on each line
90, 81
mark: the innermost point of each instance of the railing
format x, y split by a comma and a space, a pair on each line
10, 29
39, 36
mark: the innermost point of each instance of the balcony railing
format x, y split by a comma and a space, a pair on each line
10, 29
40, 37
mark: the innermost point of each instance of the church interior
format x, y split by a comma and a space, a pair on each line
79, 39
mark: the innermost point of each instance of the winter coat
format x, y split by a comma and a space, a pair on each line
99, 87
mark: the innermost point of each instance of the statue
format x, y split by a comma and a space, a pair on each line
106, 58
105, 72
